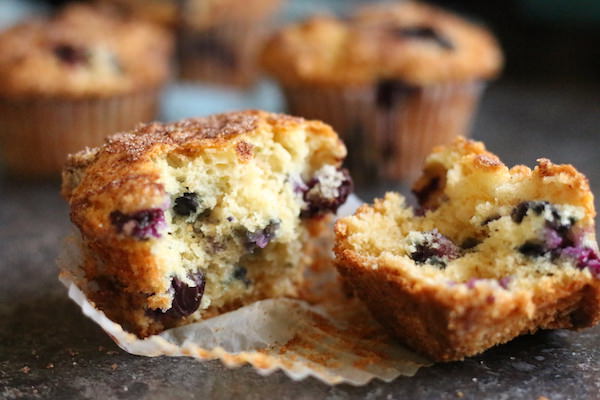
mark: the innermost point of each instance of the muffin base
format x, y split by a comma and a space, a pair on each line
36, 135
225, 55
391, 127
446, 324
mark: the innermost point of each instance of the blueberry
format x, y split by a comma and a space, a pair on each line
520, 211
140, 225
186, 204
533, 249
261, 237
436, 249
423, 33
241, 274
186, 299
70, 54
317, 204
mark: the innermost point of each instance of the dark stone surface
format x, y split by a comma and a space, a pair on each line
67, 356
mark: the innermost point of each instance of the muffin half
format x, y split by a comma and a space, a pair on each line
492, 253
180, 222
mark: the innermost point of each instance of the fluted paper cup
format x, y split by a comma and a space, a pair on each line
389, 128
36, 135
324, 333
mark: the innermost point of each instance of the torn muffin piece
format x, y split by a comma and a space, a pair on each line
490, 254
183, 221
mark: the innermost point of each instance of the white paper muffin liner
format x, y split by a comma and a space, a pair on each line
389, 144
327, 335
36, 135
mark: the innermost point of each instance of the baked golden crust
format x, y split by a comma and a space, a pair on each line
152, 168
491, 293
408, 41
84, 52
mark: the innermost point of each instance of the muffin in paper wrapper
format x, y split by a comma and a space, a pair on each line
36, 135
325, 333
389, 127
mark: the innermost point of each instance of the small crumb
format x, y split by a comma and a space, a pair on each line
33, 352
101, 348
35, 391
74, 363
111, 352
72, 352
114, 366
474, 379
25, 369
543, 398
50, 366
459, 394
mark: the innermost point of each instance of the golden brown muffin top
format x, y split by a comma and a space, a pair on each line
81, 52
409, 41
122, 174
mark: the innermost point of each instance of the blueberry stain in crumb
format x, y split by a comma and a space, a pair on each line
141, 225
261, 237
186, 204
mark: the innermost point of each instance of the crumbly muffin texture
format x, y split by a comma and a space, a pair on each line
408, 41
183, 221
83, 51
489, 254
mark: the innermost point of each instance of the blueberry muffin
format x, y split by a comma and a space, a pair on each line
183, 221
220, 40
68, 81
162, 12
393, 79
491, 253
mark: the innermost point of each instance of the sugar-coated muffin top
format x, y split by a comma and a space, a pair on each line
409, 41
127, 161
81, 52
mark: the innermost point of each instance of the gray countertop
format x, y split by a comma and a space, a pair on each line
48, 349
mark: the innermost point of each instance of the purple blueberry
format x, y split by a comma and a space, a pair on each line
422, 33
317, 204
435, 249
261, 237
584, 257
71, 55
186, 204
141, 225
186, 299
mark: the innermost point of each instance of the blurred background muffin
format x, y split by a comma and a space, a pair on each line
161, 12
395, 79
68, 81
219, 39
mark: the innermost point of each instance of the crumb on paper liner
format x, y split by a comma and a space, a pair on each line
327, 334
